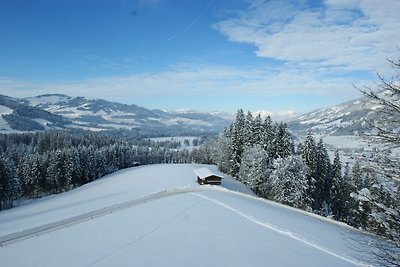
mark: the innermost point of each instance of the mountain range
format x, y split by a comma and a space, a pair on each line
58, 111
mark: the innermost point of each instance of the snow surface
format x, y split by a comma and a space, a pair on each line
5, 110
4, 126
345, 141
159, 216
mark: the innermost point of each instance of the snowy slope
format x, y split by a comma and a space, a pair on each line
159, 216
341, 120
17, 116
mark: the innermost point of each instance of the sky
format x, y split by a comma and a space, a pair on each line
205, 55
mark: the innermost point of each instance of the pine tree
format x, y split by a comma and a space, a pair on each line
258, 130
237, 142
222, 153
337, 188
356, 175
10, 188
268, 136
56, 171
248, 130
309, 156
32, 175
350, 204
323, 180
289, 182
362, 179
283, 141
253, 169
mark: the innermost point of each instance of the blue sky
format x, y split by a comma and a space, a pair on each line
207, 55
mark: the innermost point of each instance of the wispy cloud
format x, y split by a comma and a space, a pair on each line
350, 34
192, 80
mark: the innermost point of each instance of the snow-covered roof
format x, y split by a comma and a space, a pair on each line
205, 172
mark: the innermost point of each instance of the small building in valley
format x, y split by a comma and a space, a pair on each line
205, 176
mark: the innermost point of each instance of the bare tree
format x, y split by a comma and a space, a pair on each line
387, 94
384, 197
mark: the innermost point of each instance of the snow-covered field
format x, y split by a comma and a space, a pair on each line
159, 216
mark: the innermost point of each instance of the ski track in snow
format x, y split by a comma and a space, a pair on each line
155, 229
53, 226
284, 232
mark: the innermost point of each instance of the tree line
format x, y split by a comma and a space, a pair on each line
263, 155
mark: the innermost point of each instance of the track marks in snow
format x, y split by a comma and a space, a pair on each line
155, 229
56, 225
284, 232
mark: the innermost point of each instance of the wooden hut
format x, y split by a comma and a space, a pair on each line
205, 176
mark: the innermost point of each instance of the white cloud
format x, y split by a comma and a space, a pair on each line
352, 34
189, 80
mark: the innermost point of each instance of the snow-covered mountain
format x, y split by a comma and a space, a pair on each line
98, 114
277, 116
16, 116
57, 111
159, 216
346, 119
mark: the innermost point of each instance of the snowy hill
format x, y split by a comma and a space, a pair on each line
159, 216
341, 120
16, 116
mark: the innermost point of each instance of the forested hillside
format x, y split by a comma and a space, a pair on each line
262, 155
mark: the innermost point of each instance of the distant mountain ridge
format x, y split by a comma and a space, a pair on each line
348, 118
58, 111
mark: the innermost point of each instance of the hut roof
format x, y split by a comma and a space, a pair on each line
205, 172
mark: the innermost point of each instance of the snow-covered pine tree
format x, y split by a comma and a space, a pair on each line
363, 179
378, 208
289, 182
323, 180
253, 170
73, 168
357, 175
309, 155
248, 131
237, 143
222, 153
10, 187
350, 205
268, 136
32, 174
283, 141
337, 188
258, 130
54, 171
